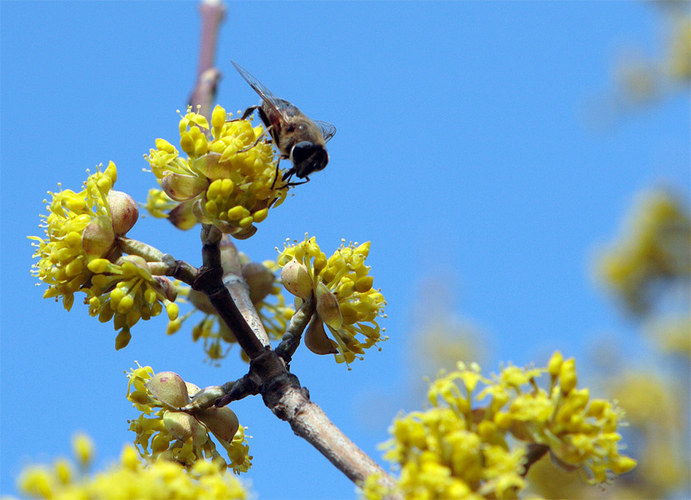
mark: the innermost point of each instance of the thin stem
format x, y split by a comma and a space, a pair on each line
144, 250
180, 269
212, 13
298, 323
210, 281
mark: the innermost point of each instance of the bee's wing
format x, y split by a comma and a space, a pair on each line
326, 129
266, 95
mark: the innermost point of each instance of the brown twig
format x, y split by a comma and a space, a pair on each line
212, 13
291, 339
239, 290
210, 281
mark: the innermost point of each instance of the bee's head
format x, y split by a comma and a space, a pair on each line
308, 157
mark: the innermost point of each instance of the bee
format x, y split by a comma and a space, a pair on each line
296, 137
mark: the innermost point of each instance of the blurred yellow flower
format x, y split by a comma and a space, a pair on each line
132, 478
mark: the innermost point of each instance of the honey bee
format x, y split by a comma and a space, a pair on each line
296, 137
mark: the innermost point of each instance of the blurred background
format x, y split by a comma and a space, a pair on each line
492, 152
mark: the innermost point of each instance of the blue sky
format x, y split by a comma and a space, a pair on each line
464, 151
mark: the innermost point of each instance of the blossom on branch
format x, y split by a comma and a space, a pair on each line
83, 250
126, 291
345, 300
229, 178
79, 227
461, 449
655, 249
164, 432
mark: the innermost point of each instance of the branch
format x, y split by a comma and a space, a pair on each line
289, 401
240, 291
269, 375
298, 323
212, 13
209, 280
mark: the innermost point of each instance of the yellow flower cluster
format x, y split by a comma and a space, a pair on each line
656, 248
78, 227
179, 436
130, 478
679, 59
227, 179
126, 291
82, 252
345, 300
265, 294
658, 416
457, 449
672, 333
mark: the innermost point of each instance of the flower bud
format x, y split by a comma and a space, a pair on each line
83, 448
567, 376
316, 339
259, 278
555, 362
169, 388
123, 210
98, 237
183, 426
201, 302
221, 421
183, 216
296, 279
327, 307
123, 338
181, 187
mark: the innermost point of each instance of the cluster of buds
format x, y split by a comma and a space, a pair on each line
344, 298
84, 250
165, 431
458, 449
228, 178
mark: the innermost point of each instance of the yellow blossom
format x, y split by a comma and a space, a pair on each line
125, 291
166, 432
132, 478
346, 302
78, 228
228, 178
83, 251
655, 248
83, 448
458, 449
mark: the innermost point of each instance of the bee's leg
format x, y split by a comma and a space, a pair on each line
249, 111
276, 175
291, 184
245, 114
